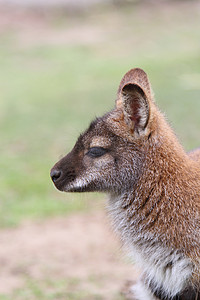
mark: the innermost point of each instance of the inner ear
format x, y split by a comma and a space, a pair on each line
135, 107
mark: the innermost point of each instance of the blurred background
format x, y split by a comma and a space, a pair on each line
61, 62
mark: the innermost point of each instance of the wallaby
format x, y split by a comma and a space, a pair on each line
132, 154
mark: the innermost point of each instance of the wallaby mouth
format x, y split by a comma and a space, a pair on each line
63, 173
63, 179
67, 182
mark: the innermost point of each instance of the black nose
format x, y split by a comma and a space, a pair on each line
55, 174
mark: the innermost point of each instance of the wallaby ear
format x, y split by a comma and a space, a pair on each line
134, 96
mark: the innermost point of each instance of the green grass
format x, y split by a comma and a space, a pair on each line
58, 289
49, 93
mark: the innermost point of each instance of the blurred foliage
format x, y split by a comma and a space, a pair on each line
57, 73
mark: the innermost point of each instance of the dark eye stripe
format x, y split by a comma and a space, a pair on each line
96, 152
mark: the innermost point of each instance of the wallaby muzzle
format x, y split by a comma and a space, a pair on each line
63, 172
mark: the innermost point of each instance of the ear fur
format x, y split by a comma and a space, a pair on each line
134, 96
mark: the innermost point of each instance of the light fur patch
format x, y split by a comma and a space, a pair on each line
100, 141
167, 269
141, 292
80, 183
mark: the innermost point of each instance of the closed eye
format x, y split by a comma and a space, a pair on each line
96, 152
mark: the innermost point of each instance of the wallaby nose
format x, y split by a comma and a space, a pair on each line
55, 175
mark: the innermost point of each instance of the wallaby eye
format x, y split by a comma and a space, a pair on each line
96, 152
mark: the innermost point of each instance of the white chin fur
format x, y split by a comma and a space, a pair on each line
79, 183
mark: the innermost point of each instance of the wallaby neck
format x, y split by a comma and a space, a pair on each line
159, 203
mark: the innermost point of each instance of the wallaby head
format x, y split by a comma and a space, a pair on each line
109, 155
154, 186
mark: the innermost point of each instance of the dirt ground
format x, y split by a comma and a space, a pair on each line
80, 247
